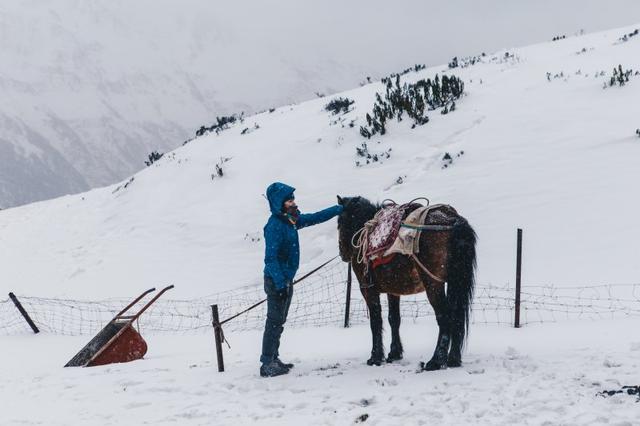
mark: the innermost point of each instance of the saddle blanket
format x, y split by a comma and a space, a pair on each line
406, 239
384, 232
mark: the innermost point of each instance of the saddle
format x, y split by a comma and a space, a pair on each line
395, 229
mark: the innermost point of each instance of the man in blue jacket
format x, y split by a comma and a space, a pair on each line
282, 256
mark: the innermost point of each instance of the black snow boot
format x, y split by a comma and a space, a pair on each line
272, 369
286, 365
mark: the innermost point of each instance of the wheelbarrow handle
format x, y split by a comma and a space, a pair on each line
126, 308
144, 308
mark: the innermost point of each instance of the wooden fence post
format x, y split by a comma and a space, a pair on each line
347, 307
516, 323
24, 313
217, 332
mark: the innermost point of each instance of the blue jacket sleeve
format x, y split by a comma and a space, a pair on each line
318, 217
273, 241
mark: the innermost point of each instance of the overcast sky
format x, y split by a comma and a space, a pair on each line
354, 38
403, 31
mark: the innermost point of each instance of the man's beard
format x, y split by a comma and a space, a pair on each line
293, 212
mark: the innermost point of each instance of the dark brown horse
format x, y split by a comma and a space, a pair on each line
448, 253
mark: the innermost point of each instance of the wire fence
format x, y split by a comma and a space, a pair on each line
320, 301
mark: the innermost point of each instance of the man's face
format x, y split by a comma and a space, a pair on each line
289, 204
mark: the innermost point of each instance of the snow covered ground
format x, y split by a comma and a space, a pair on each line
546, 374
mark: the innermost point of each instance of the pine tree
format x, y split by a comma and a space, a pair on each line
620, 75
153, 157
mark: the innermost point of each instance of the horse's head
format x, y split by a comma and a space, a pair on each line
357, 210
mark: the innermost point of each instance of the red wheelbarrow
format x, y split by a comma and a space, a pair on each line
118, 341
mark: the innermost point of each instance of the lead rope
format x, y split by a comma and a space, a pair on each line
360, 241
222, 336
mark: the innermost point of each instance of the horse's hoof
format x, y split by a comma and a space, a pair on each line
374, 361
454, 363
432, 366
394, 357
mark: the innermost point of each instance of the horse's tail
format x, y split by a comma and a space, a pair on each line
461, 266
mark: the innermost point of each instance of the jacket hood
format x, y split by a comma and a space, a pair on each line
277, 193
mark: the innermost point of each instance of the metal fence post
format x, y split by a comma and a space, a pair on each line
347, 307
516, 323
217, 331
24, 313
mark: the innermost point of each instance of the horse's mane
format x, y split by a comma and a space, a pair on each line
357, 210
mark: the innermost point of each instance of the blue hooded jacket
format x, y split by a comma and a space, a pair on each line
282, 251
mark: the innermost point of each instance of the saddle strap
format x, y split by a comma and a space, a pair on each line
427, 227
424, 268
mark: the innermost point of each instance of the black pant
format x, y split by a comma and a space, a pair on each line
277, 310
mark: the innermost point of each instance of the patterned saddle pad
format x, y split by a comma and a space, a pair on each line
385, 231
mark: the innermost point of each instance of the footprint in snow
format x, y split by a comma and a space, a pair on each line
610, 363
386, 382
328, 367
329, 370
134, 405
164, 390
512, 353
129, 384
365, 402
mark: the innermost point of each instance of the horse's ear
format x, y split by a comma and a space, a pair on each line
340, 200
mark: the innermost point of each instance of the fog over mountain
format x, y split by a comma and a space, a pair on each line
89, 89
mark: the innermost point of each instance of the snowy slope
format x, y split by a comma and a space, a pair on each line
558, 158
543, 375
88, 89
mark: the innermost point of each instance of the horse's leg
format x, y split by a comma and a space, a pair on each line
437, 298
395, 353
457, 338
375, 319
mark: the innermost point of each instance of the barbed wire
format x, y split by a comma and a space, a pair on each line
320, 301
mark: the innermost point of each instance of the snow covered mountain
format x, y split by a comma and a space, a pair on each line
89, 89
537, 142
